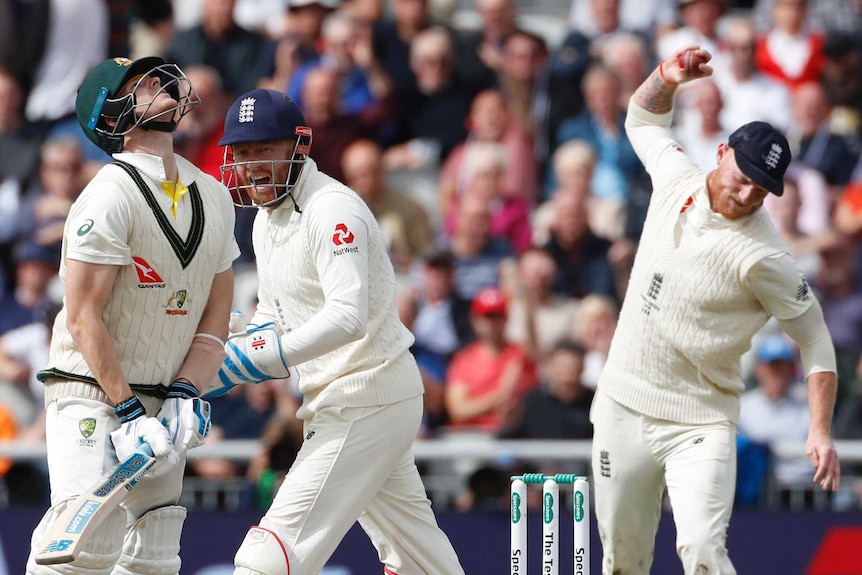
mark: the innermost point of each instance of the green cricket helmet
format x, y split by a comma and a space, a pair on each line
107, 117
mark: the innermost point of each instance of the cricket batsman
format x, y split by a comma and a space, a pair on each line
146, 263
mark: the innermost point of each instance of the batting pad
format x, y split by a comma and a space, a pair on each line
98, 555
152, 545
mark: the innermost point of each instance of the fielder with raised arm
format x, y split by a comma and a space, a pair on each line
147, 255
710, 271
327, 306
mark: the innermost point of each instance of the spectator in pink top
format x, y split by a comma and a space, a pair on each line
485, 167
490, 121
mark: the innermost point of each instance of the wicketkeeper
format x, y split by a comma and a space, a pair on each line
327, 306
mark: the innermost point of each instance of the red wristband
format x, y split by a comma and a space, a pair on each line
663, 77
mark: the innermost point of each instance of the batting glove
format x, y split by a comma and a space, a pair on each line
136, 429
254, 356
185, 416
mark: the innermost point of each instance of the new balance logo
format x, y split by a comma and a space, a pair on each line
246, 110
698, 439
57, 545
803, 291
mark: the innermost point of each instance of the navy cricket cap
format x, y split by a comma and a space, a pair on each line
261, 116
762, 153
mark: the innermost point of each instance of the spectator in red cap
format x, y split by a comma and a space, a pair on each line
489, 377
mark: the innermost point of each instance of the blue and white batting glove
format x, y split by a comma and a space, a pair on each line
136, 429
185, 416
254, 356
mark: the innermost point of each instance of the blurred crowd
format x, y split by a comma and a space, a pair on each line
487, 138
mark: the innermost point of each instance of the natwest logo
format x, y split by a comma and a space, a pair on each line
147, 276
342, 235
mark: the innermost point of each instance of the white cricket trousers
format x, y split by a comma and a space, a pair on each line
357, 463
634, 457
76, 459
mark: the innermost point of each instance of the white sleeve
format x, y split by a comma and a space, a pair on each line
661, 155
98, 226
781, 288
231, 248
338, 235
809, 330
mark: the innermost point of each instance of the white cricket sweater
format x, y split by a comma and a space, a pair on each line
689, 313
326, 278
166, 268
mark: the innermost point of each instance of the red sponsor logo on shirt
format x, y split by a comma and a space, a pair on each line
342, 235
685, 206
146, 273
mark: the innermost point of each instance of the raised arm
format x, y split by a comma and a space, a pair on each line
656, 93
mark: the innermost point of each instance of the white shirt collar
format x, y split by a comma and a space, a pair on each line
300, 192
699, 217
154, 166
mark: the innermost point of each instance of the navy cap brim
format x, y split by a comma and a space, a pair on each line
758, 176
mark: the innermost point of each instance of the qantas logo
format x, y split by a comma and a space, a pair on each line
342, 235
147, 276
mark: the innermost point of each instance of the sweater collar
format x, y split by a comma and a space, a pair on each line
154, 166
702, 217
300, 194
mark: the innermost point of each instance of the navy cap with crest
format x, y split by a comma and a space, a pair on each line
762, 153
261, 116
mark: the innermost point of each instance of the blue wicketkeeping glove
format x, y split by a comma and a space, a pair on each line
253, 357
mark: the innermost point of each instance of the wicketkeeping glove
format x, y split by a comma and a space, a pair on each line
254, 356
185, 416
237, 325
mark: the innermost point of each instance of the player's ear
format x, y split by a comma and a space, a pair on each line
722, 151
